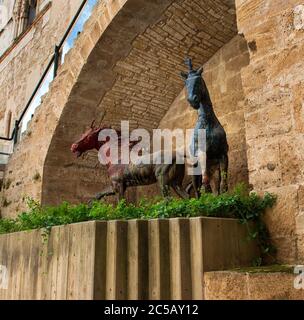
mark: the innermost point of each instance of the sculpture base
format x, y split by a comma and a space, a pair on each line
138, 259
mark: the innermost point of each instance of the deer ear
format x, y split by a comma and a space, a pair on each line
200, 70
184, 75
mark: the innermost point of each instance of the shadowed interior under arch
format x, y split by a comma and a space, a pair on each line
132, 74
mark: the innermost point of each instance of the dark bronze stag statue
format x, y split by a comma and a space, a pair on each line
123, 176
215, 172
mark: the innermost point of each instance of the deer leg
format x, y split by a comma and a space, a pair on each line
206, 188
105, 193
119, 189
224, 174
205, 169
177, 174
196, 180
189, 187
163, 187
179, 190
121, 192
162, 177
215, 179
197, 184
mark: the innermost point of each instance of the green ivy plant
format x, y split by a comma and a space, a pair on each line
237, 204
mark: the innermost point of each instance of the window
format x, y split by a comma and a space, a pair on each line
32, 10
25, 12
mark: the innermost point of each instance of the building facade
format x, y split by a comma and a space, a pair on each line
125, 65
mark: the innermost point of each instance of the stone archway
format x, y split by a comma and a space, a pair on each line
99, 71
132, 73
127, 62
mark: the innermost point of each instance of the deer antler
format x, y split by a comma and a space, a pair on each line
92, 125
103, 116
93, 122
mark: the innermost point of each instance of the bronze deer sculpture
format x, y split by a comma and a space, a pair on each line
123, 176
216, 167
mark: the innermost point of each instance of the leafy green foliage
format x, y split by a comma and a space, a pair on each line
238, 204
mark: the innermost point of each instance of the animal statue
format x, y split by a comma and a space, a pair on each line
214, 173
123, 176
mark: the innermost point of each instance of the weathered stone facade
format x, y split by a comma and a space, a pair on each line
127, 62
273, 87
242, 285
26, 58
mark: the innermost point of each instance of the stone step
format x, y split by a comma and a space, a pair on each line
263, 283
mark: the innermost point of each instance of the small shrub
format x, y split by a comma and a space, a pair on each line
237, 204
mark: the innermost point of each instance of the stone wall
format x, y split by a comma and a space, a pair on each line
273, 86
144, 46
6, 24
22, 65
24, 172
117, 42
260, 284
222, 74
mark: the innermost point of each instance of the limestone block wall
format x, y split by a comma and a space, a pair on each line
222, 74
136, 42
25, 60
24, 172
272, 91
13, 22
242, 285
273, 85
